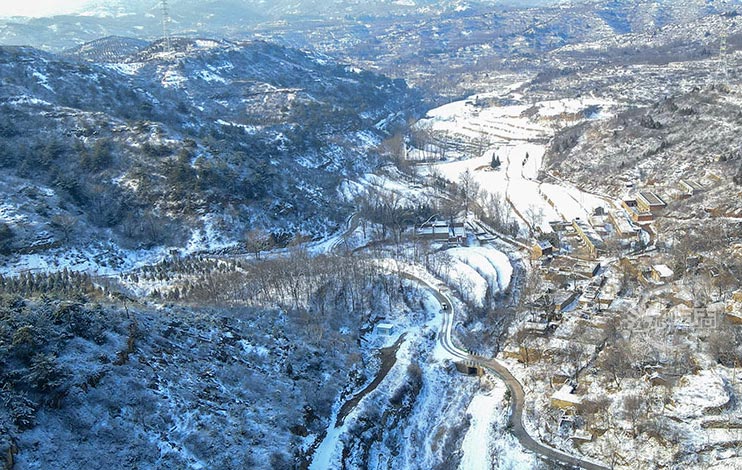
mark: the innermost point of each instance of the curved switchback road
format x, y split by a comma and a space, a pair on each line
517, 394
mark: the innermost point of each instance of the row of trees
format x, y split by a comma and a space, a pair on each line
63, 283
296, 281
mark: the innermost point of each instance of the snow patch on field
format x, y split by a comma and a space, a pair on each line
463, 119
206, 44
475, 271
43, 80
171, 77
23, 99
511, 182
9, 214
515, 134
248, 129
208, 238
494, 266
698, 392
487, 445
127, 68
210, 77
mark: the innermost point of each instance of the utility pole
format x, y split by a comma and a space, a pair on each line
166, 27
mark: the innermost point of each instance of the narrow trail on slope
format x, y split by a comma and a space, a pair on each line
388, 358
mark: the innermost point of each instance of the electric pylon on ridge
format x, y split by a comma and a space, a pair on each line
166, 27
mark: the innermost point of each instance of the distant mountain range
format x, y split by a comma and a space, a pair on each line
240, 19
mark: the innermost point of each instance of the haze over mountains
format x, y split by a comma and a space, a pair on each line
242, 19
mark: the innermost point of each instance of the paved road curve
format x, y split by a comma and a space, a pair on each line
518, 396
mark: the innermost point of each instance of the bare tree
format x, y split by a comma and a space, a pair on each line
469, 189
65, 223
595, 411
725, 344
535, 217
576, 355
395, 148
634, 408
480, 145
532, 289
257, 240
616, 360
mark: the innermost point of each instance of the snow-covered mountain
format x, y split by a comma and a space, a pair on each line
158, 148
176, 290
242, 19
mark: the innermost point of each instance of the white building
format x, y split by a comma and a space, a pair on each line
386, 329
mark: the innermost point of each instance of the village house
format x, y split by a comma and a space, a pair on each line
605, 300
385, 329
563, 300
565, 398
592, 240
453, 233
589, 295
592, 294
662, 273
690, 187
648, 201
600, 225
628, 204
562, 271
542, 248
559, 225
622, 225
436, 230
639, 216
539, 328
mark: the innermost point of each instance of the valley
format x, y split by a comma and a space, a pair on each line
402, 235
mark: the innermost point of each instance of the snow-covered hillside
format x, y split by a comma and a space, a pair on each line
182, 151
515, 136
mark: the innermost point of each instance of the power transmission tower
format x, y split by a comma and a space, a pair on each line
723, 58
166, 27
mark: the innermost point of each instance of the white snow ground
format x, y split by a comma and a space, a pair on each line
518, 140
475, 270
486, 444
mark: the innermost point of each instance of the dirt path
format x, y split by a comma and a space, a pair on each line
388, 358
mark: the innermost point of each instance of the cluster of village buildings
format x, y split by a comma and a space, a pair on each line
580, 266
581, 290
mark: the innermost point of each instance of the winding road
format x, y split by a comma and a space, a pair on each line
518, 396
